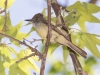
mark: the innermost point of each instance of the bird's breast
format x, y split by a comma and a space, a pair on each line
41, 30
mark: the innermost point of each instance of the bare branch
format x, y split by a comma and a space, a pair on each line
75, 60
48, 39
23, 43
34, 40
26, 57
5, 10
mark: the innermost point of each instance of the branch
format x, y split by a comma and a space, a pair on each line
23, 43
5, 10
76, 63
26, 57
93, 1
48, 39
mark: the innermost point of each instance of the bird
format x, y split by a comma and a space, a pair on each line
41, 26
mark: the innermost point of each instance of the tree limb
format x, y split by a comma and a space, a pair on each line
23, 43
76, 63
43, 61
5, 11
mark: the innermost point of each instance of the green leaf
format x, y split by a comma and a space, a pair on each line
19, 36
15, 30
69, 16
28, 52
73, 20
89, 41
16, 43
1, 22
75, 37
26, 65
14, 70
9, 3
80, 43
90, 61
9, 64
85, 11
29, 63
5, 51
85, 6
53, 19
89, 64
57, 67
23, 67
9, 24
12, 32
92, 8
76, 6
18, 26
2, 69
81, 23
52, 47
11, 49
16, 33
65, 53
44, 11
93, 19
94, 38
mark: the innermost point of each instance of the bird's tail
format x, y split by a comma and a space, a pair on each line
77, 49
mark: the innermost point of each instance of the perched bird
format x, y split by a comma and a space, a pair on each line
41, 26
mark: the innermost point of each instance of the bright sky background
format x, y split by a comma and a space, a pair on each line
25, 9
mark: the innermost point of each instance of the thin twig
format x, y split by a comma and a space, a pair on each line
23, 43
5, 10
60, 25
43, 61
26, 57
34, 40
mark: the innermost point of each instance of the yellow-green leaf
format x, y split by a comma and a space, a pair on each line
1, 22
92, 8
5, 51
44, 11
2, 69
91, 44
27, 64
52, 47
9, 3
65, 53
81, 23
14, 70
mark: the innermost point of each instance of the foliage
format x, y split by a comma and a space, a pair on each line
61, 68
78, 13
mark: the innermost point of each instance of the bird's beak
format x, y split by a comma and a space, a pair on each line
28, 20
